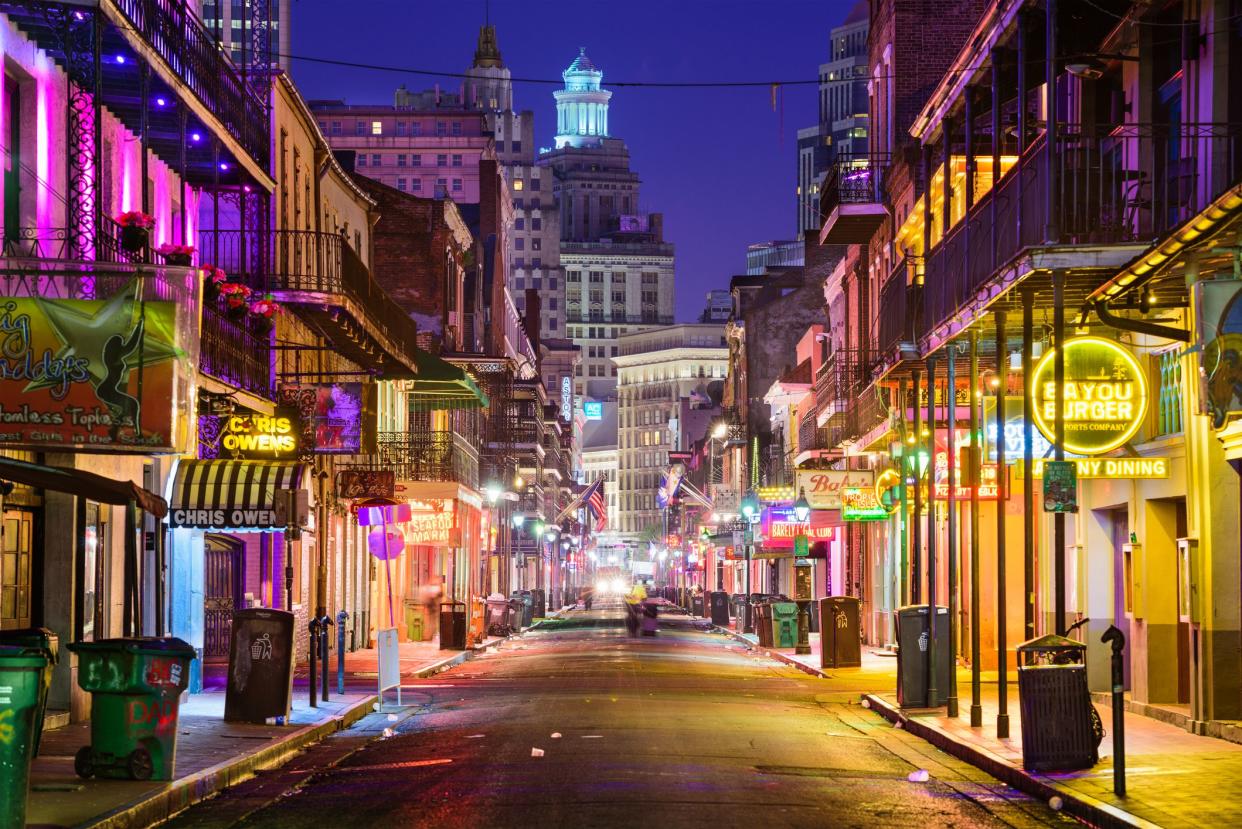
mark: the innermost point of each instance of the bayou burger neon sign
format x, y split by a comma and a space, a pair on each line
1105, 395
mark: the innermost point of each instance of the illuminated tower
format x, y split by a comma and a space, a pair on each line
581, 107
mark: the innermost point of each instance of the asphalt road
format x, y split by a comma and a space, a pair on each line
684, 729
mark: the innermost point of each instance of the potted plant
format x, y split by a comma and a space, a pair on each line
213, 278
264, 312
179, 255
236, 297
135, 230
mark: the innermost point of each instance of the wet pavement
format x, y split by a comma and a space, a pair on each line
578, 724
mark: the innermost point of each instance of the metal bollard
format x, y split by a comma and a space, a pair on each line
314, 646
325, 622
1117, 639
341, 619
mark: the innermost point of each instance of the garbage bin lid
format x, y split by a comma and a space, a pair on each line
159, 645
784, 607
1051, 642
40, 639
13, 657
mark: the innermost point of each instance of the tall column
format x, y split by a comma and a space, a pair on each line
976, 456
950, 399
1002, 632
916, 523
1028, 464
933, 693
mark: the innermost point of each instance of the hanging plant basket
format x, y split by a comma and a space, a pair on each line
134, 238
237, 312
263, 326
211, 291
213, 278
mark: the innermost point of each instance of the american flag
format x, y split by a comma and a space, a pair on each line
595, 502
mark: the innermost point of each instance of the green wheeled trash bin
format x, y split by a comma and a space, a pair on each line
784, 624
21, 681
135, 687
47, 643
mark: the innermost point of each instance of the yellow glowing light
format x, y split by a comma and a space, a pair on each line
1105, 395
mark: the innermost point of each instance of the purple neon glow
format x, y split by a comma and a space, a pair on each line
196, 137
224, 165
161, 102
120, 58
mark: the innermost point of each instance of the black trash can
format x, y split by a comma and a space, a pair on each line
539, 603
452, 626
912, 644
718, 602
696, 605
260, 681
1061, 730
527, 610
763, 623
47, 643
840, 642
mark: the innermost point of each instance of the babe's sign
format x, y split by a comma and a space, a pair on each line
823, 486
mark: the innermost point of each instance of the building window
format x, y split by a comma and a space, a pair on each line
441, 187
537, 262
360, 128
456, 185
416, 185
441, 128
517, 146
442, 159
456, 159
519, 262
416, 128
336, 127
536, 243
518, 184
375, 159
457, 128
618, 296
400, 159
519, 223
519, 244
362, 159
573, 276
597, 276
552, 303
401, 184
551, 283
401, 128
377, 128
416, 160
536, 223
534, 183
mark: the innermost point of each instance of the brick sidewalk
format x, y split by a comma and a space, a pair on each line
1174, 778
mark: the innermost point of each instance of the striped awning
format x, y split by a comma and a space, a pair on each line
232, 495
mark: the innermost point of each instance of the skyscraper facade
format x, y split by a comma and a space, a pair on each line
618, 269
232, 23
841, 129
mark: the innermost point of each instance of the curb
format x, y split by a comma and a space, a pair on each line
1084, 807
777, 655
186, 791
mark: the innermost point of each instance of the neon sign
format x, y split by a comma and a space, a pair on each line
1105, 395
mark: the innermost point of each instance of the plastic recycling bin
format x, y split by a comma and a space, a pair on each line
21, 688
500, 615
912, 643
763, 623
840, 639
719, 606
452, 626
416, 627
135, 687
784, 624
539, 603
528, 607
47, 643
1059, 731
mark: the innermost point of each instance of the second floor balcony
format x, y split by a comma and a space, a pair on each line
429, 456
852, 202
319, 276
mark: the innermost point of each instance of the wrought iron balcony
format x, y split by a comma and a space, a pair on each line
429, 456
897, 318
322, 278
852, 202
234, 352
60, 244
1125, 185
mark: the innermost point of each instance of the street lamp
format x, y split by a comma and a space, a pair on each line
802, 507
720, 431
518, 520
750, 513
493, 492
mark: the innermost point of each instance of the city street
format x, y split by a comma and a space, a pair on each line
684, 729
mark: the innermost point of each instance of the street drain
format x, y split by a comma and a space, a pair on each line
813, 771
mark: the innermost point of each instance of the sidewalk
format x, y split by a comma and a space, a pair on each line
212, 754
1174, 778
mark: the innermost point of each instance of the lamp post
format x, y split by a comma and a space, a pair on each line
750, 514
802, 574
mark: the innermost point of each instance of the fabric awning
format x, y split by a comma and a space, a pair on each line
83, 483
442, 385
232, 495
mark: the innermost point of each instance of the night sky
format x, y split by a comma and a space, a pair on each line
719, 163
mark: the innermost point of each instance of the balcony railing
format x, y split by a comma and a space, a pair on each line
180, 39
897, 313
317, 266
852, 200
54, 244
429, 456
1128, 185
234, 352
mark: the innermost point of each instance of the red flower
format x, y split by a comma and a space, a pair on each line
265, 308
175, 250
216, 275
136, 218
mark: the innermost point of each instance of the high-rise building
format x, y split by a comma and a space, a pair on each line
841, 129
763, 255
670, 381
534, 256
232, 23
719, 306
618, 269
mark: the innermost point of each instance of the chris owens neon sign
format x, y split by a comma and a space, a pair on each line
1105, 395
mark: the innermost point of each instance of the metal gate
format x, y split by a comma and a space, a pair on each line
223, 571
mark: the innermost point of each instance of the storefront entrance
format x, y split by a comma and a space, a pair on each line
223, 573
15, 586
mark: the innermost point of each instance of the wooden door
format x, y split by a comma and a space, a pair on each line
222, 574
15, 553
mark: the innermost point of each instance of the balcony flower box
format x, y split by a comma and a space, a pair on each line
178, 255
135, 230
237, 299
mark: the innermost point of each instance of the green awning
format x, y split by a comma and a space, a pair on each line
442, 385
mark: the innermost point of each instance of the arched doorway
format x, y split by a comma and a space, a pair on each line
223, 574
